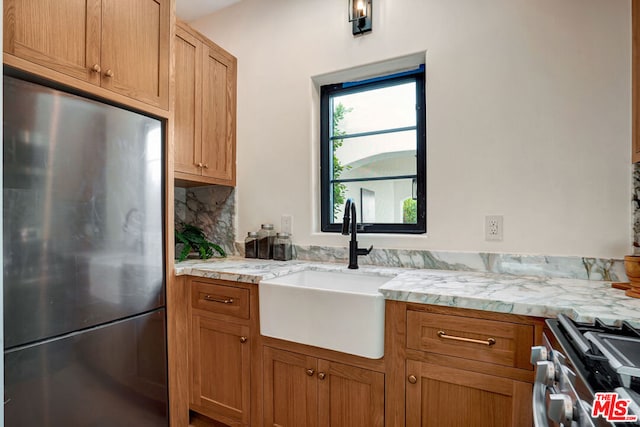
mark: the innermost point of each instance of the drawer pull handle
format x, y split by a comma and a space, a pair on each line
488, 341
243, 340
310, 372
412, 379
220, 300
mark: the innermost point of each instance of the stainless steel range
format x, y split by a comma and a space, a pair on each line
587, 375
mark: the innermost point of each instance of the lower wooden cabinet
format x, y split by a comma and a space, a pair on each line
223, 341
303, 391
220, 368
452, 367
443, 367
439, 396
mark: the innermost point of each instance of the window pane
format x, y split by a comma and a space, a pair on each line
371, 135
384, 201
384, 155
377, 109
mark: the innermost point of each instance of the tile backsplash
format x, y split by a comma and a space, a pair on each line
567, 267
211, 208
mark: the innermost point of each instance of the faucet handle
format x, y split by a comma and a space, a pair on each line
364, 251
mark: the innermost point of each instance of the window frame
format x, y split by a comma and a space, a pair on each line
326, 168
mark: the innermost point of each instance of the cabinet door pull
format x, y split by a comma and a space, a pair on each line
488, 341
310, 372
321, 375
220, 300
200, 165
96, 68
243, 340
412, 379
108, 73
206, 166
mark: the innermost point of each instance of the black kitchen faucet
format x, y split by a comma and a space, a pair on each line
350, 211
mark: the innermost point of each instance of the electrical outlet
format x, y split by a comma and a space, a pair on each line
286, 224
493, 227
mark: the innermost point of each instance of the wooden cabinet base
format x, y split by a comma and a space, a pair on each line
224, 352
420, 382
199, 420
436, 381
438, 396
303, 391
220, 368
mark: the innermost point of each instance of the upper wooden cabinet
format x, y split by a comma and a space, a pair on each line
135, 49
122, 46
205, 111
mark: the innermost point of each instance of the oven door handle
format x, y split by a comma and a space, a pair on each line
539, 404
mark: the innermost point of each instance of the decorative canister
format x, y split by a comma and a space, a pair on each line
266, 236
282, 247
251, 245
632, 268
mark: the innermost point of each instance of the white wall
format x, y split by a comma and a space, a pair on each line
528, 111
1, 237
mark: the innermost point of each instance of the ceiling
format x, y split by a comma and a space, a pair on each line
190, 10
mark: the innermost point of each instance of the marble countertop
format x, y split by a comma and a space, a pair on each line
582, 300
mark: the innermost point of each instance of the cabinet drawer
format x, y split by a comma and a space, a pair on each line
491, 341
221, 299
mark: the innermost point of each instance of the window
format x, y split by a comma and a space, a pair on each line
373, 142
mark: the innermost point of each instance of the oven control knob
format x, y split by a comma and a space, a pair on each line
538, 354
545, 373
560, 409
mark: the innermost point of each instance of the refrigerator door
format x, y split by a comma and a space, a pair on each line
82, 213
113, 375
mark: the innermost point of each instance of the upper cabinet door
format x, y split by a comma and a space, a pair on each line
219, 107
63, 35
135, 49
188, 104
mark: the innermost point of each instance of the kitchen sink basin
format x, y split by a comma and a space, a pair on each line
340, 311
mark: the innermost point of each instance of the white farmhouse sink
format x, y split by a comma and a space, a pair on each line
340, 311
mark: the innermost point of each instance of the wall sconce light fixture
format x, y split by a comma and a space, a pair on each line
360, 16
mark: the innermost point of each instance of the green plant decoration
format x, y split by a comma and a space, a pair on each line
194, 238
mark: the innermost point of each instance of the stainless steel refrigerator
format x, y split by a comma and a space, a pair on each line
84, 285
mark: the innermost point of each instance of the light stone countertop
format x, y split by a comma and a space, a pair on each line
582, 300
